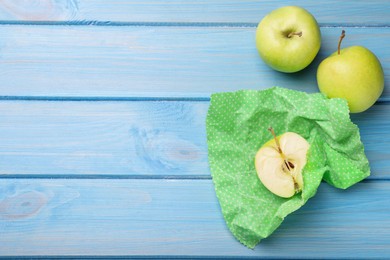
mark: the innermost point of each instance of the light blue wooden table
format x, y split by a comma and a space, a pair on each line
102, 129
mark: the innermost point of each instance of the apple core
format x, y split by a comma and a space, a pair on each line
279, 163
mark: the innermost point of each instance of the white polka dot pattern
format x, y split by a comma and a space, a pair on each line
237, 124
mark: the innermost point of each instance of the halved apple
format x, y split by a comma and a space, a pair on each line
280, 161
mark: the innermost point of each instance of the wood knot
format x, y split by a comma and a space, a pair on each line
22, 206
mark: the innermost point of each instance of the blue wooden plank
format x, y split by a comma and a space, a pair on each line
103, 138
181, 218
110, 159
350, 12
141, 139
154, 61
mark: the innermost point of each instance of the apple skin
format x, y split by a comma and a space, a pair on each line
355, 75
284, 53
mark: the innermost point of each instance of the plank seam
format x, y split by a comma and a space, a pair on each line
382, 100
106, 176
173, 257
136, 177
108, 98
174, 24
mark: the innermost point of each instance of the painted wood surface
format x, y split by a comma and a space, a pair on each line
333, 12
143, 138
102, 129
103, 138
155, 61
180, 217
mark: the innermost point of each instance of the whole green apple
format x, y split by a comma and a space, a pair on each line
288, 39
352, 73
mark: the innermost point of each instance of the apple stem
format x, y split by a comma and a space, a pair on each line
340, 40
276, 140
286, 162
291, 34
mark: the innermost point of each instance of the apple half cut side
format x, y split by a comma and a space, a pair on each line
279, 163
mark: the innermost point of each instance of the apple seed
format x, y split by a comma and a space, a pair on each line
289, 165
279, 163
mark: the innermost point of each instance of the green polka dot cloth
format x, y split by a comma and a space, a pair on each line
237, 126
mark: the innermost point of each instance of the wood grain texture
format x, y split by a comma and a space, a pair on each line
102, 129
104, 138
38, 10
333, 12
155, 61
181, 217
143, 138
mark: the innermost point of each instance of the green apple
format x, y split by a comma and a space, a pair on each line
279, 163
352, 73
288, 39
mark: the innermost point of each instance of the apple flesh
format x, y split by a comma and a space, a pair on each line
279, 164
352, 73
288, 39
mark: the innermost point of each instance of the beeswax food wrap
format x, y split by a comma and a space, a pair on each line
237, 124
